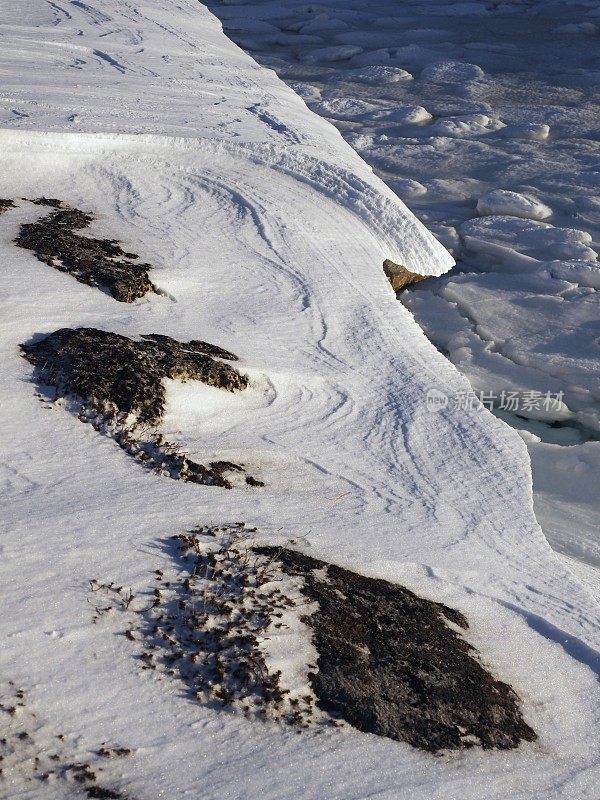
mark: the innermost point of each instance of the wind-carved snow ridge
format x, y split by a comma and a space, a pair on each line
395, 233
265, 110
267, 234
482, 119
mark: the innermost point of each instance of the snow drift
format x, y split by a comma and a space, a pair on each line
266, 234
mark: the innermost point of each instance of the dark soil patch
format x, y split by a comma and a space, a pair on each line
119, 383
95, 262
390, 664
5, 205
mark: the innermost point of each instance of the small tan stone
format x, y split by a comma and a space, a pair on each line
399, 276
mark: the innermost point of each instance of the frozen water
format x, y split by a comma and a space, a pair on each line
502, 202
451, 72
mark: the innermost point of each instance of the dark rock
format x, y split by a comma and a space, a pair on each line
48, 201
95, 262
100, 793
119, 382
5, 205
390, 663
114, 374
202, 347
399, 276
182, 467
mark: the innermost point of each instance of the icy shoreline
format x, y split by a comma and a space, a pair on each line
266, 234
482, 118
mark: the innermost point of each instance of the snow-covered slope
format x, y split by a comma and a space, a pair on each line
266, 234
117, 68
483, 117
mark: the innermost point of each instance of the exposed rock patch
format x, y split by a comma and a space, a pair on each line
5, 205
362, 650
48, 201
399, 276
96, 262
117, 375
211, 622
393, 664
119, 383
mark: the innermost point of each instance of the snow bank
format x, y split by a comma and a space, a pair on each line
124, 92
266, 234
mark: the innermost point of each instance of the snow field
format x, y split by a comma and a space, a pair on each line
266, 235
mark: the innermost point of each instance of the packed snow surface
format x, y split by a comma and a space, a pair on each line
266, 233
508, 130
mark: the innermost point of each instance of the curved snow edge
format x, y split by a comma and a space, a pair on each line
401, 237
